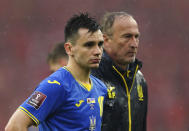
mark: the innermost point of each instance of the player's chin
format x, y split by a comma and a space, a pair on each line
94, 66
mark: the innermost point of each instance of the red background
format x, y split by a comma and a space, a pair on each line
29, 29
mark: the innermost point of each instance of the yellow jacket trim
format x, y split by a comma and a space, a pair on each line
128, 93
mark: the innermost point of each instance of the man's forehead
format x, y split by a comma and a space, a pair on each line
84, 33
120, 20
125, 24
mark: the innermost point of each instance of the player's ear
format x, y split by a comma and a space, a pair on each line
68, 47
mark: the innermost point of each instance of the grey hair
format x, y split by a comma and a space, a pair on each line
108, 20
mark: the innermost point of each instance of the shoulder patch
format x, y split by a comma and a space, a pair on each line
36, 99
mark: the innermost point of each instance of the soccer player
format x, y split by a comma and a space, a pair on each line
70, 99
57, 58
126, 108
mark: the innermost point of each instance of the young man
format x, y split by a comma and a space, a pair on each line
57, 58
126, 108
70, 99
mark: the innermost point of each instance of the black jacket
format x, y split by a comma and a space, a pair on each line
126, 107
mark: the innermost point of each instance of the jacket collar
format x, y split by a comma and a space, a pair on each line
109, 63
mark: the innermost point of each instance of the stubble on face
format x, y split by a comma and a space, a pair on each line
86, 53
123, 42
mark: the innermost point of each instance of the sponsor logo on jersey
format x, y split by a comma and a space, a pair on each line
53, 82
79, 104
36, 99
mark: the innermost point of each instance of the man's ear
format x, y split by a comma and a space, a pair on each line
105, 37
106, 40
68, 47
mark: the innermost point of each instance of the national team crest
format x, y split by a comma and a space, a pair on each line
140, 93
111, 92
92, 123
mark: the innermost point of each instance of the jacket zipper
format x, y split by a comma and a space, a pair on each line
128, 92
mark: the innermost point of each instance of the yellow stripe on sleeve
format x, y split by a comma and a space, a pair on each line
30, 115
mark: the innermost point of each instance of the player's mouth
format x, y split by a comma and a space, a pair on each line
95, 61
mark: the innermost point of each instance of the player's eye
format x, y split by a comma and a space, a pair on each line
100, 44
89, 44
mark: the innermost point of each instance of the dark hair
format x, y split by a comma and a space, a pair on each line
108, 20
57, 52
79, 21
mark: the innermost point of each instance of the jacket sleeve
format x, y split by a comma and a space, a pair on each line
146, 105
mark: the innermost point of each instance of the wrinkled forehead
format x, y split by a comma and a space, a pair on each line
124, 20
125, 23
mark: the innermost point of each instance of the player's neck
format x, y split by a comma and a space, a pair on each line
79, 73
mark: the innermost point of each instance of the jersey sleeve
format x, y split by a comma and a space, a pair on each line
45, 100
